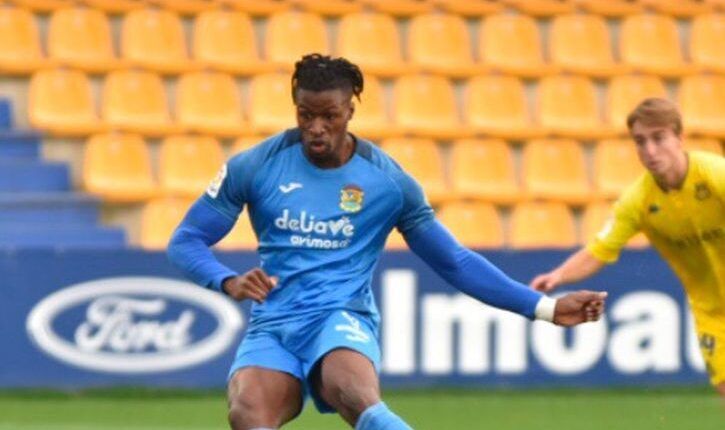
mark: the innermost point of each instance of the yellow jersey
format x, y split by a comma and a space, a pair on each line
686, 226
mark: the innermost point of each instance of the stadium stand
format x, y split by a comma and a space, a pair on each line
209, 103
256, 7
399, 8
328, 7
116, 7
477, 224
608, 8
702, 100
615, 167
371, 119
469, 8
270, 103
159, 218
43, 6
706, 47
20, 50
625, 92
422, 160
542, 8
554, 169
292, 34
187, 164
496, 182
527, 219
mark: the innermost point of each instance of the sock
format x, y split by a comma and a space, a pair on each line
379, 417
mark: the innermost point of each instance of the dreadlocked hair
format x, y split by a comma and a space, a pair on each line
316, 72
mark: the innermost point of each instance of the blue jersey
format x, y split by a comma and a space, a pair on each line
320, 231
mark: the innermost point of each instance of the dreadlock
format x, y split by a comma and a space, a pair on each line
316, 72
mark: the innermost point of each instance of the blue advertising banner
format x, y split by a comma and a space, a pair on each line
71, 319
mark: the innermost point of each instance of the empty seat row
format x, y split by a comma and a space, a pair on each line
61, 102
439, 43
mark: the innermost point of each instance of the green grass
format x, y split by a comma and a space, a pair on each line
636, 409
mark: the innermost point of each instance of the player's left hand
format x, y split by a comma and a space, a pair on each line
579, 307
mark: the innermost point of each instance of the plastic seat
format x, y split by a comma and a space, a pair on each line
20, 50
469, 8
425, 106
651, 44
61, 102
508, 117
185, 7
159, 219
568, 107
421, 159
291, 35
609, 8
117, 167
210, 103
240, 237
371, 41
154, 39
677, 8
439, 43
555, 170
512, 44
43, 5
616, 166
542, 225
496, 182
625, 93
244, 143
135, 101
594, 219
116, 6
80, 37
329, 7
370, 119
580, 43
541, 8
271, 109
187, 164
702, 100
706, 47
256, 7
399, 8
710, 145
476, 225
225, 40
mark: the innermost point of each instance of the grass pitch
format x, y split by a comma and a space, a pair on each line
636, 409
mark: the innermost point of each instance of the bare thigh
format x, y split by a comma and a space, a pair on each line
259, 397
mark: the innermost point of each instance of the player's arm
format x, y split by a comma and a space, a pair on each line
580, 265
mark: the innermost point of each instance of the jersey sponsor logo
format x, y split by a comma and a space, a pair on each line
696, 239
216, 183
351, 198
134, 325
354, 332
702, 192
288, 188
312, 233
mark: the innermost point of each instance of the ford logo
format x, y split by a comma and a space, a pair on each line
134, 324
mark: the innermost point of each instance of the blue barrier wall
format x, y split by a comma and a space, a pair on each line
122, 317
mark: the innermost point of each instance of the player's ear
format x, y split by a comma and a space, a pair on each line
352, 110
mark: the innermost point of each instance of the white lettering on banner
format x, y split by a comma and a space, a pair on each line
550, 349
694, 357
123, 332
399, 315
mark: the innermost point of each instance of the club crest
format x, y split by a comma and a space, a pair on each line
351, 198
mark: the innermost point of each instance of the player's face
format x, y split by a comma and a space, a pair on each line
322, 117
658, 147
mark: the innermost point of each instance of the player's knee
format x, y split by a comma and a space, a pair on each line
353, 396
246, 410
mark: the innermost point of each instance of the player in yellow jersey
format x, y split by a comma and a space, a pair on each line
679, 204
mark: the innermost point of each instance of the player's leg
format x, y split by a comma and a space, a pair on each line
262, 398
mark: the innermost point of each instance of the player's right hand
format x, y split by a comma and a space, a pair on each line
254, 285
546, 282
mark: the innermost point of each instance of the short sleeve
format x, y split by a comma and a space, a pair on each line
416, 209
617, 230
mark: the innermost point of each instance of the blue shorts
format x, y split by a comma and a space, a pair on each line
296, 347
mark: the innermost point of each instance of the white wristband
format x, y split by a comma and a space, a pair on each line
545, 309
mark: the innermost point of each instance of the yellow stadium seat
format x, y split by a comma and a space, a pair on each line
371, 41
508, 117
117, 167
484, 170
43, 5
475, 225
709, 145
425, 105
256, 7
568, 107
116, 6
395, 241
439, 43
542, 8
401, 8
702, 100
210, 103
244, 143
511, 44
370, 120
185, 7
187, 164
580, 43
20, 50
225, 40
80, 37
610, 8
625, 93
616, 166
154, 39
706, 42
718, 5
270, 103
423, 161
135, 101
469, 8
651, 44
677, 8
542, 225
159, 219
329, 7
61, 102
555, 170
240, 237
290, 35
595, 217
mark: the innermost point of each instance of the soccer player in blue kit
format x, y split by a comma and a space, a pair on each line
322, 203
